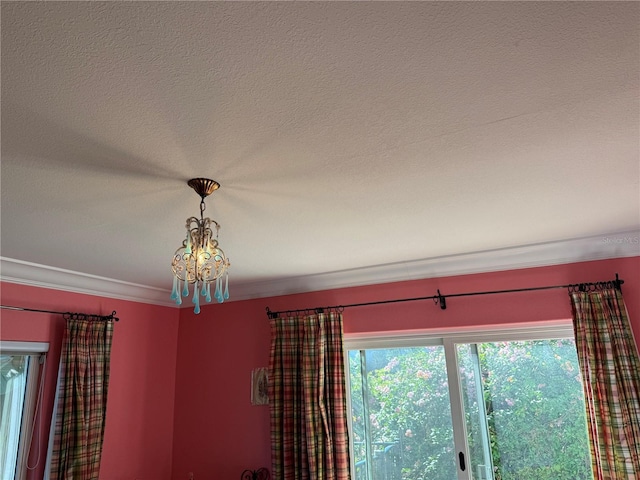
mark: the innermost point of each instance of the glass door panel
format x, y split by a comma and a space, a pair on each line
13, 385
475, 413
524, 410
401, 414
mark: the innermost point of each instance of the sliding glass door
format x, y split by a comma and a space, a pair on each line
499, 406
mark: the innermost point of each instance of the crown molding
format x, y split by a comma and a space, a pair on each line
600, 247
36, 275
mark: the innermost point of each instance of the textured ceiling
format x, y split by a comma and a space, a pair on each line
344, 134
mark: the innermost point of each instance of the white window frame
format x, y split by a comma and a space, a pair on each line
449, 338
36, 351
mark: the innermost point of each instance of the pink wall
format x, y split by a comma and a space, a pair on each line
139, 429
218, 433
180, 383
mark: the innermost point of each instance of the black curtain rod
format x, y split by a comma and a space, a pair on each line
441, 299
66, 315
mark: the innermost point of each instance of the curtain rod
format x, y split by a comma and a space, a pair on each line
441, 299
66, 315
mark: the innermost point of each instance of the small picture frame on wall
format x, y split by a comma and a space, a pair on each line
260, 386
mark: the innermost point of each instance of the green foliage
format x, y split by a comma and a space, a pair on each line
535, 409
532, 399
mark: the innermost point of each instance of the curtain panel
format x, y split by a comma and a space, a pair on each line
82, 400
610, 367
307, 398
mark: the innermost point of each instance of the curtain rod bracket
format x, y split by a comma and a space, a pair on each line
617, 283
441, 300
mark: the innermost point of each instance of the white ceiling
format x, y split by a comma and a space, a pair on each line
345, 135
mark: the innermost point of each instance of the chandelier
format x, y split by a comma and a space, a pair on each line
200, 261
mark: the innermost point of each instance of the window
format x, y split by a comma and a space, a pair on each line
19, 372
501, 405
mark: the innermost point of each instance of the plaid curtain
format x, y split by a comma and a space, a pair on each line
82, 400
610, 367
307, 398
